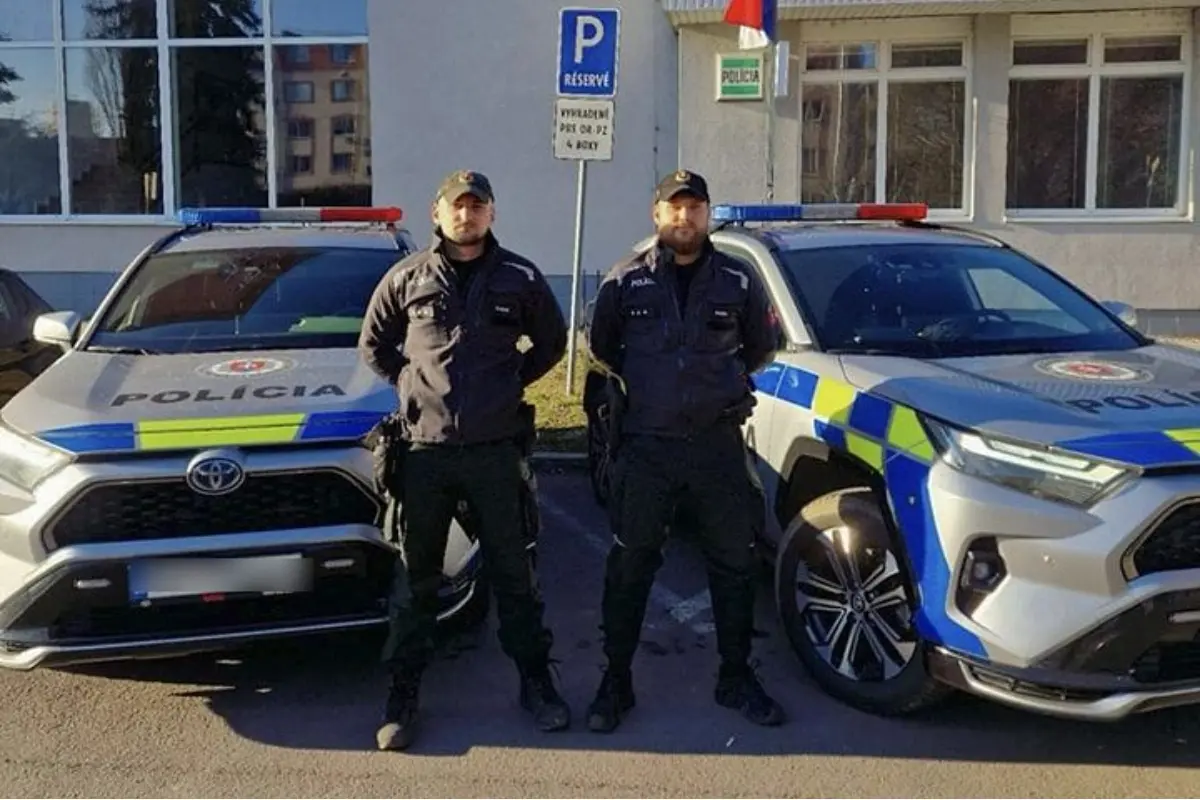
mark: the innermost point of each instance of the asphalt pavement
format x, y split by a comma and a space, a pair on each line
297, 719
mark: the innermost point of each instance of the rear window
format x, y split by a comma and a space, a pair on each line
263, 298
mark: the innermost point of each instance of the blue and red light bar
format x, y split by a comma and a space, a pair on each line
255, 216
821, 212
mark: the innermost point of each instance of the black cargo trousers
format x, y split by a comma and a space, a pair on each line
491, 478
709, 471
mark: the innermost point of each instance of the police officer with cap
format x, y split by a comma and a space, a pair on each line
443, 327
679, 328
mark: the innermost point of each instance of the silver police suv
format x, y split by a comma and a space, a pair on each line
195, 471
980, 478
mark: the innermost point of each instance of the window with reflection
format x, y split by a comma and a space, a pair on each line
921, 142
128, 131
1096, 122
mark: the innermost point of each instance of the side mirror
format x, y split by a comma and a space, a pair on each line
57, 328
1123, 311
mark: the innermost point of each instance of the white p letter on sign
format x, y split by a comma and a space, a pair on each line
583, 39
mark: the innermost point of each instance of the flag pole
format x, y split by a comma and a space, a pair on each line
769, 98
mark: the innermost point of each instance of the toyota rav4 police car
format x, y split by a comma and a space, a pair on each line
980, 478
195, 470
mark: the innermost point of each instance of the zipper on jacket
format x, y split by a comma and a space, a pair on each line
472, 323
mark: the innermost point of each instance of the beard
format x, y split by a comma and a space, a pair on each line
467, 237
683, 240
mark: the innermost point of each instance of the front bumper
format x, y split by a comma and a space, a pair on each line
1145, 659
270, 561
1096, 613
83, 604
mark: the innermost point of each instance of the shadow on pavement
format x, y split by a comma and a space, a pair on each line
327, 693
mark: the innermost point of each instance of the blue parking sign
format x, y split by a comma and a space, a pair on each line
587, 51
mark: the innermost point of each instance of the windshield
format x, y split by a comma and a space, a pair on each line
245, 299
937, 300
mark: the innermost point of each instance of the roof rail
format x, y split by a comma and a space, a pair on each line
939, 226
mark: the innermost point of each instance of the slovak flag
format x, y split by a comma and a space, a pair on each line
757, 20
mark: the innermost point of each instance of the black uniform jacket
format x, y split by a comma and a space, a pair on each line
682, 371
453, 357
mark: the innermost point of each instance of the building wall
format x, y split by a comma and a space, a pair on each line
1147, 262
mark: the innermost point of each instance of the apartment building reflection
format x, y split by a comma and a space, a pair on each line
323, 136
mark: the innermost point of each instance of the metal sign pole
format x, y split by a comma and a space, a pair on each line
588, 54
576, 274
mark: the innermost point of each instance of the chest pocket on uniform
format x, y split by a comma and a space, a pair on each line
503, 310
643, 321
722, 316
720, 325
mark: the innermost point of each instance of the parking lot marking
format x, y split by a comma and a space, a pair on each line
680, 609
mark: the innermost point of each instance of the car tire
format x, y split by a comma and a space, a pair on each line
849, 619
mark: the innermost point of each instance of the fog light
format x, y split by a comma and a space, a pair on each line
982, 571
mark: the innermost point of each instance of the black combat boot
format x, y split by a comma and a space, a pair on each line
739, 688
540, 697
614, 699
400, 717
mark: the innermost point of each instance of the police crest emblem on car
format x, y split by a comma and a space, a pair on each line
246, 367
1092, 370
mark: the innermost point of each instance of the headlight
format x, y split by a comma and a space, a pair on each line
1041, 472
27, 462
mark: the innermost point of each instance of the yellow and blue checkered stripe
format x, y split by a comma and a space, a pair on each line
888, 438
874, 429
868, 427
200, 432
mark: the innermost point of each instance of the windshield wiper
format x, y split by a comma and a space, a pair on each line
245, 348
136, 351
868, 351
910, 349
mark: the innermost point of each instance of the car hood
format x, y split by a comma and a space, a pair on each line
1141, 406
89, 401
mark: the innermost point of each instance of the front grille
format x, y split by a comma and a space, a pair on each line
1173, 544
167, 509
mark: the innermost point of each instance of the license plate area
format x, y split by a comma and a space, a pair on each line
193, 579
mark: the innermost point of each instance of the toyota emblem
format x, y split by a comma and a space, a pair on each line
214, 474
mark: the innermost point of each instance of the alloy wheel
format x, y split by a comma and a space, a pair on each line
855, 606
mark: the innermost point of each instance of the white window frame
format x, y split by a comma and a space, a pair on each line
884, 35
164, 44
1096, 29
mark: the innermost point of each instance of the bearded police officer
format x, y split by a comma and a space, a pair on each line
443, 327
679, 328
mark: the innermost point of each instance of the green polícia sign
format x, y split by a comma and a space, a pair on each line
739, 77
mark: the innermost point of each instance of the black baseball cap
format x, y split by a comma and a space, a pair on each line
464, 181
681, 181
